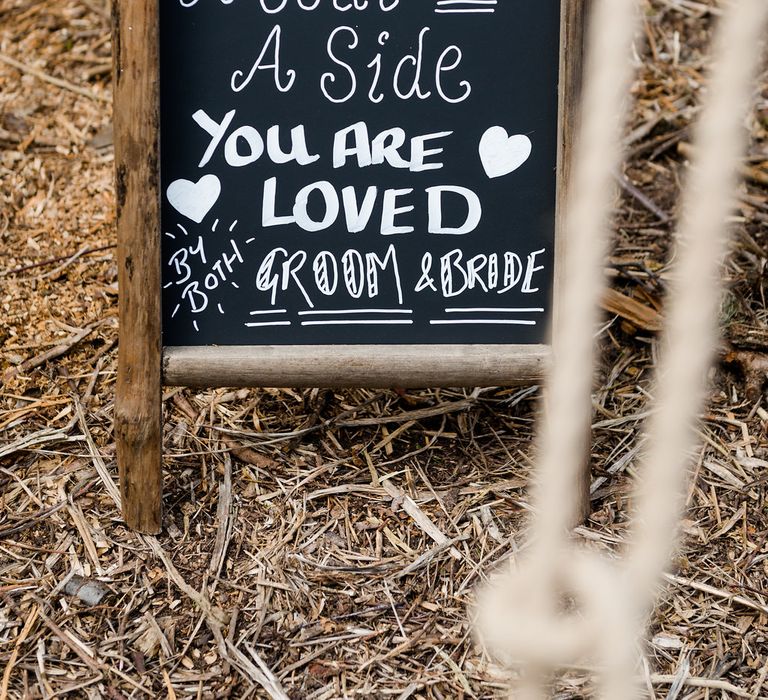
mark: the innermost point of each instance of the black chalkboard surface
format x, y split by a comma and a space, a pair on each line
358, 171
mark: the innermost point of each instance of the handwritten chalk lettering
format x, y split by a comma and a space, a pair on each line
374, 264
354, 142
358, 216
195, 292
273, 8
240, 80
426, 281
195, 297
390, 210
394, 208
223, 267
253, 143
358, 274
488, 272
355, 274
297, 152
179, 261
268, 280
355, 138
331, 205
192, 3
435, 206
375, 65
406, 78
245, 145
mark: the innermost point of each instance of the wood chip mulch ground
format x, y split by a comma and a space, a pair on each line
329, 542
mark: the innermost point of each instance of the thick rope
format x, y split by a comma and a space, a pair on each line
564, 434
691, 330
520, 616
529, 600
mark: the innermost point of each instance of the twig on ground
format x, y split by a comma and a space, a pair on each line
58, 82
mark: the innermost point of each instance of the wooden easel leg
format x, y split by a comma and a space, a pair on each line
583, 500
138, 403
575, 16
138, 432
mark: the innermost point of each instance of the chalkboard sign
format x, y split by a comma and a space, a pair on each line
348, 193
358, 171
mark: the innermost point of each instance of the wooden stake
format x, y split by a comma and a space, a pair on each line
574, 19
138, 408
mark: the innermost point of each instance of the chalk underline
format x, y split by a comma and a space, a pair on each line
355, 311
482, 321
493, 309
353, 322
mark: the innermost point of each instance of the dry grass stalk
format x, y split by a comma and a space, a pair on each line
303, 577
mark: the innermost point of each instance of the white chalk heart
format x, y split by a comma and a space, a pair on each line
501, 153
194, 199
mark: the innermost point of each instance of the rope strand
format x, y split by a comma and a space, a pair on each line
520, 614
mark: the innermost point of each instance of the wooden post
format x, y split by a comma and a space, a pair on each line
574, 21
138, 407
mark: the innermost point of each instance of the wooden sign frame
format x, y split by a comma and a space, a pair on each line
144, 365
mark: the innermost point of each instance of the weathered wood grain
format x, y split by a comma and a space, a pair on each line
574, 19
572, 53
373, 366
138, 409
